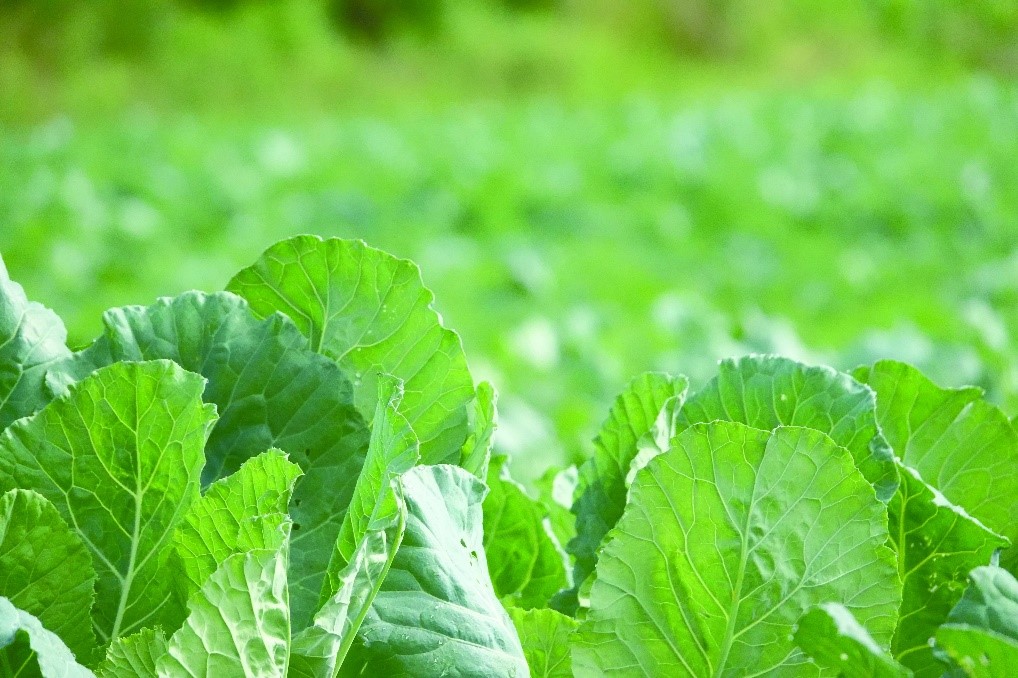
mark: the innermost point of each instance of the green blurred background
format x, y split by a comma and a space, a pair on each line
593, 188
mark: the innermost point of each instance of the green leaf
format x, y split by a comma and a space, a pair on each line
368, 540
556, 489
120, 457
239, 513
601, 490
31, 338
768, 391
26, 648
937, 544
981, 635
393, 450
545, 636
370, 312
959, 443
239, 622
271, 390
837, 642
46, 570
526, 566
477, 449
978, 653
321, 649
727, 539
436, 613
134, 656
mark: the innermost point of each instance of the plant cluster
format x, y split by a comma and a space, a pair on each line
295, 477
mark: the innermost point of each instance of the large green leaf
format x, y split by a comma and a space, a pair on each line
436, 613
28, 649
31, 338
239, 513
370, 312
271, 390
239, 622
836, 641
768, 391
937, 544
120, 457
371, 533
526, 565
959, 443
981, 636
46, 570
601, 489
545, 636
727, 539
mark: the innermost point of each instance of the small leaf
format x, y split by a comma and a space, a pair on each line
938, 543
527, 568
545, 636
477, 449
234, 516
369, 538
601, 490
837, 642
981, 636
134, 656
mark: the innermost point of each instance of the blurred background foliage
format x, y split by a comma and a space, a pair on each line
593, 188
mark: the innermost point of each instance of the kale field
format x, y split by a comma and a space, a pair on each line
508, 338
572, 247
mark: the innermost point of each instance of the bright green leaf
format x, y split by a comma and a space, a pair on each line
46, 570
959, 443
271, 390
545, 636
371, 533
601, 490
134, 656
937, 544
727, 539
837, 642
239, 622
556, 489
320, 650
436, 613
392, 451
370, 312
120, 457
527, 568
477, 449
768, 391
32, 337
981, 636
238, 513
